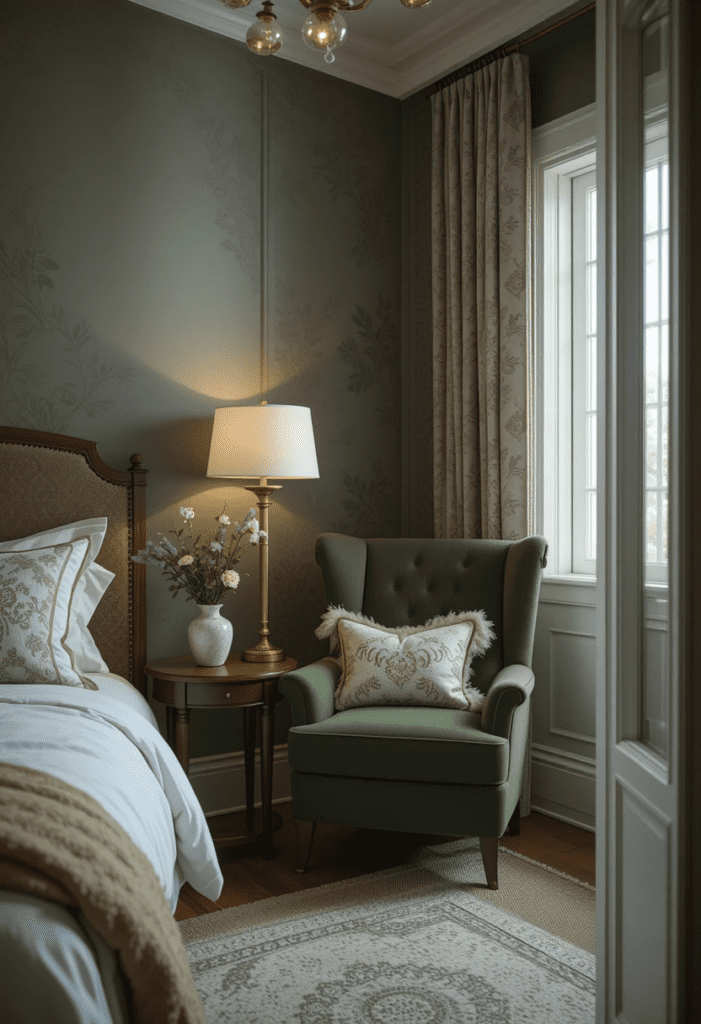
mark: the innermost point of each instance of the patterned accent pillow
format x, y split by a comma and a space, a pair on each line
427, 665
92, 584
37, 588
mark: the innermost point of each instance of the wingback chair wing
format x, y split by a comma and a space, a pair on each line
436, 770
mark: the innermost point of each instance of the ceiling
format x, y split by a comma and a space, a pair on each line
389, 47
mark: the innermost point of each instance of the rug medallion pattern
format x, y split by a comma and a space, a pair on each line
443, 958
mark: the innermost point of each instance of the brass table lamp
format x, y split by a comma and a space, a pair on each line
263, 441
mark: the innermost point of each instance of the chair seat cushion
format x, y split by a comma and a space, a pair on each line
409, 743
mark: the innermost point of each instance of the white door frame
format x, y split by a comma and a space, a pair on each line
648, 839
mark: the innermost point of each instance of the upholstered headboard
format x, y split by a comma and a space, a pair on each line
49, 480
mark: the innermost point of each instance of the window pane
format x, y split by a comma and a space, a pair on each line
582, 380
664, 197
652, 362
590, 400
664, 276
590, 326
651, 521
591, 525
652, 204
664, 450
591, 225
591, 451
651, 448
654, 231
652, 279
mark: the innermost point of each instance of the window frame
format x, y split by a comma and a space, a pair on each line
561, 150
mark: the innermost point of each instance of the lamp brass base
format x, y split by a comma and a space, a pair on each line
263, 653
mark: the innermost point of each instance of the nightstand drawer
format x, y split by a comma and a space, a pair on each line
218, 695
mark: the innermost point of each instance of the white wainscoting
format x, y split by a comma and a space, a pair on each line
218, 781
563, 703
563, 723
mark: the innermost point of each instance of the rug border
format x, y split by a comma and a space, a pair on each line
300, 902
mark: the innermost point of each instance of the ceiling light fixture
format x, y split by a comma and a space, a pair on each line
324, 27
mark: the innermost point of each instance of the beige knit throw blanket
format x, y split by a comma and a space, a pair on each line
59, 843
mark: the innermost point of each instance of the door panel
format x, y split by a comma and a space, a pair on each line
642, 523
643, 842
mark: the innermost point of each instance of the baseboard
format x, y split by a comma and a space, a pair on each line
563, 786
219, 783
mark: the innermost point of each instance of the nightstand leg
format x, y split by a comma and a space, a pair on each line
170, 726
267, 734
249, 757
182, 738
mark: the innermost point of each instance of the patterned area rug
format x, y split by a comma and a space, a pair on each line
411, 945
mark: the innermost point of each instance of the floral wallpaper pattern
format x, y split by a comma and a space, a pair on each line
37, 391
130, 276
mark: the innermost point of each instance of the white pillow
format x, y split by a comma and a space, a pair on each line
428, 665
91, 585
36, 593
88, 593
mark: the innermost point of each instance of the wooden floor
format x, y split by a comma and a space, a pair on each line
340, 852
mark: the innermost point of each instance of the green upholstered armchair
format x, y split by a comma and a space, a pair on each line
415, 769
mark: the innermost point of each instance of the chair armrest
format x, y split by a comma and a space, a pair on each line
512, 686
311, 691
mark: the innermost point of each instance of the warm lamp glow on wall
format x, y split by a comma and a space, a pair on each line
263, 441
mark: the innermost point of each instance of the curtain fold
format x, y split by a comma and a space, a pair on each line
480, 265
481, 159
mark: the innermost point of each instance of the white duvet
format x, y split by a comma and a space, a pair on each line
106, 743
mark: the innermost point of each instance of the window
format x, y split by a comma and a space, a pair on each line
566, 339
656, 341
583, 212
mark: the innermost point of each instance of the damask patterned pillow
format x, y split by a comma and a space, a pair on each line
428, 665
37, 589
92, 584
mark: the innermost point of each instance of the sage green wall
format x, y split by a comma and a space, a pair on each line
130, 271
130, 268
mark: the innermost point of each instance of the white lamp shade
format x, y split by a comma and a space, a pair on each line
263, 441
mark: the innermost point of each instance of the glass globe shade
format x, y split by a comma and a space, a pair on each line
411, 3
323, 33
264, 37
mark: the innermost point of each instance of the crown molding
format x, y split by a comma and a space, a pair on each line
447, 42
446, 50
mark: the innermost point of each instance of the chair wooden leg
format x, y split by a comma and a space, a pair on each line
489, 848
305, 834
514, 826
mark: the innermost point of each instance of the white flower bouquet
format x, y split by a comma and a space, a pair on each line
202, 567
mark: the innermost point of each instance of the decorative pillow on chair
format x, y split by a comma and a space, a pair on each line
427, 665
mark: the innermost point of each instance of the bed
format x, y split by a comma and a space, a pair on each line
84, 772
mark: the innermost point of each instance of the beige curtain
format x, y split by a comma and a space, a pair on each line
481, 284
481, 234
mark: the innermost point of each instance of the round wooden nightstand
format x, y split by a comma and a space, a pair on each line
180, 684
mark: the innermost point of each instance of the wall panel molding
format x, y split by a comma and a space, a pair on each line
563, 786
218, 780
570, 669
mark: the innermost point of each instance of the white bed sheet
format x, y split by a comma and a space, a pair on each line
106, 743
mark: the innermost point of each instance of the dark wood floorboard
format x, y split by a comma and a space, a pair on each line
341, 852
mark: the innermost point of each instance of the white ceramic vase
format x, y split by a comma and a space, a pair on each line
210, 636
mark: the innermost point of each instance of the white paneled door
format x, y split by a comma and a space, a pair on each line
647, 554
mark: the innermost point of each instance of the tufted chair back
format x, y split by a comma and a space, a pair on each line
405, 582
